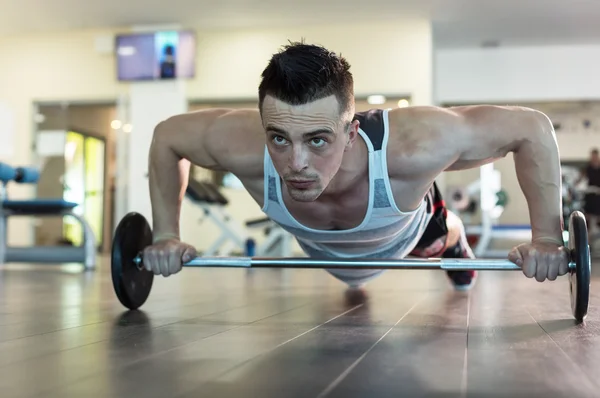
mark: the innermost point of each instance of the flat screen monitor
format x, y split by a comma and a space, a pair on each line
157, 55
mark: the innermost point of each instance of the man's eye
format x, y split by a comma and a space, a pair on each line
318, 142
279, 140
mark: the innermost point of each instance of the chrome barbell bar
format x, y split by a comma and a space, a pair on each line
353, 263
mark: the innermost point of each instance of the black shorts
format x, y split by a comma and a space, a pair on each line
592, 204
437, 227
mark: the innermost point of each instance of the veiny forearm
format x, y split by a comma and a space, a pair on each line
168, 175
537, 164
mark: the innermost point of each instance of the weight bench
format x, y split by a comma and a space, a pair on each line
85, 254
207, 196
234, 236
487, 236
278, 242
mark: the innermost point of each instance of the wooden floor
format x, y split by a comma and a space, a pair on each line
282, 333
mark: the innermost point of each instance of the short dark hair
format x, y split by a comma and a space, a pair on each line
301, 73
595, 151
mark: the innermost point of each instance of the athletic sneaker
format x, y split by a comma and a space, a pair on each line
462, 280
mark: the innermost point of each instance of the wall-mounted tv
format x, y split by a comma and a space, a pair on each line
159, 55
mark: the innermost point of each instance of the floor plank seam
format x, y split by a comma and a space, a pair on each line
465, 374
344, 374
45, 392
286, 342
129, 336
591, 383
111, 320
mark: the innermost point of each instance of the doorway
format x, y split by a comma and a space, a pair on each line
84, 184
79, 169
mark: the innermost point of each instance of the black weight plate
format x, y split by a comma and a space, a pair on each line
579, 278
131, 284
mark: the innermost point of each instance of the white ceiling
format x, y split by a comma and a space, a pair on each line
455, 22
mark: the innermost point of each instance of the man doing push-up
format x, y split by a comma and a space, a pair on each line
355, 185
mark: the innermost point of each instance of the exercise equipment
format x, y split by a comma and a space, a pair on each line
233, 235
486, 198
277, 242
461, 199
86, 253
576, 192
579, 277
132, 283
22, 175
44, 254
496, 235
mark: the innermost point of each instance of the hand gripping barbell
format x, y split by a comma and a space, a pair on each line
132, 282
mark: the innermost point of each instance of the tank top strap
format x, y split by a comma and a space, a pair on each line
374, 125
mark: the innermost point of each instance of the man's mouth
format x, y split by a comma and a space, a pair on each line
300, 184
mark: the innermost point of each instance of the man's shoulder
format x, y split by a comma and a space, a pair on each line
248, 117
415, 141
417, 115
243, 127
412, 125
235, 139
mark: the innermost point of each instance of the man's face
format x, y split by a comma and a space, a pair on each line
595, 158
307, 143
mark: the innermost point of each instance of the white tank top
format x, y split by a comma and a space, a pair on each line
385, 232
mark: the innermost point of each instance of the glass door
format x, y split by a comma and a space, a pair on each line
94, 186
84, 184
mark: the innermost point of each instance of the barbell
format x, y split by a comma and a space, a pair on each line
132, 282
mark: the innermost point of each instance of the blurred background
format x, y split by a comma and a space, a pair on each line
82, 86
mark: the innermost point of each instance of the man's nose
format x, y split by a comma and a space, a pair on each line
298, 159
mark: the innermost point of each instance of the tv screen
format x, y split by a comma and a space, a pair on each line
156, 55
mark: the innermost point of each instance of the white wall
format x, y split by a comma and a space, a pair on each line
149, 104
53, 67
388, 58
530, 76
545, 73
385, 58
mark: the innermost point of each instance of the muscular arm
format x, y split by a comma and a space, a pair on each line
431, 140
216, 139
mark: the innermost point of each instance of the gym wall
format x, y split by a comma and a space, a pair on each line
513, 74
47, 67
558, 80
387, 58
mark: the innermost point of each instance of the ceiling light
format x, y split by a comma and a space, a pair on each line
376, 99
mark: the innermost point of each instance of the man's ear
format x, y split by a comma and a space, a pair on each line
352, 134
